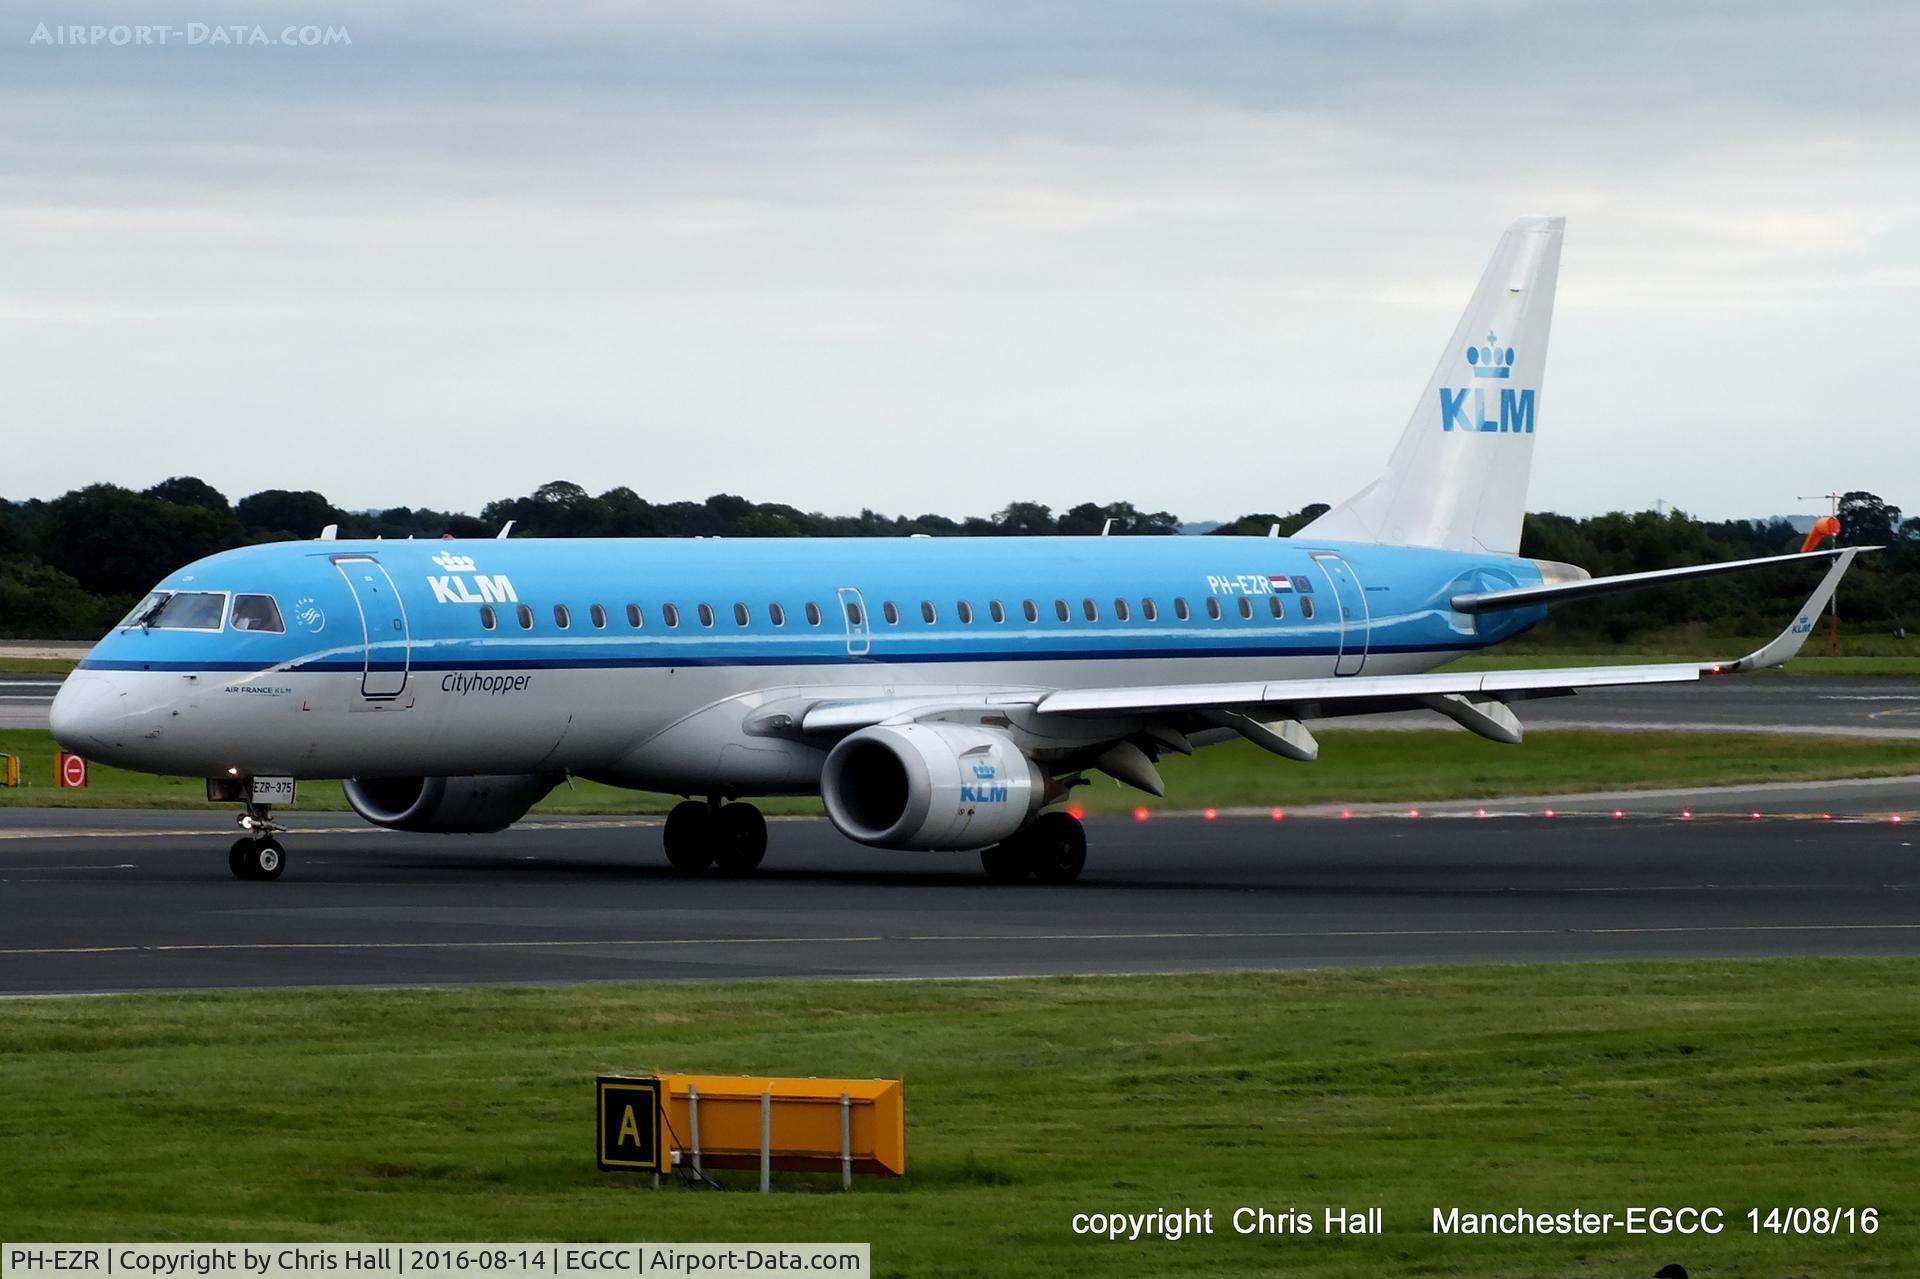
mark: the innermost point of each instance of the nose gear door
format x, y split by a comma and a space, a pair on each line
388, 645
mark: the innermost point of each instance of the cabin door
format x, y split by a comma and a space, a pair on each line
1355, 620
853, 611
387, 647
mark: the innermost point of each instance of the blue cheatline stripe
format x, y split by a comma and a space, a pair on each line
355, 665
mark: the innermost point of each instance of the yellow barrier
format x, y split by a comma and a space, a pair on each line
9, 770
807, 1125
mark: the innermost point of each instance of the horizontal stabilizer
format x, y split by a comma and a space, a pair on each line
1561, 592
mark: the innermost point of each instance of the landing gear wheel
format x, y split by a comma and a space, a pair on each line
1056, 846
1006, 863
739, 839
689, 837
256, 858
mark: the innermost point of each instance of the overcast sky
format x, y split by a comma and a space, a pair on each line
939, 256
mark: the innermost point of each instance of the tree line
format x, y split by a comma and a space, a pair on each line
72, 566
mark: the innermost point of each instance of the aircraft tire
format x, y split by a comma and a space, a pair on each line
237, 858
1056, 846
259, 858
689, 837
740, 839
1007, 863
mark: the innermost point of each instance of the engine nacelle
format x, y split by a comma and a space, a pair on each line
932, 786
447, 805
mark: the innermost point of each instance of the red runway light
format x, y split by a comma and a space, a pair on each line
1618, 813
1686, 814
1413, 812
1549, 812
1755, 815
1346, 812
1895, 819
1479, 812
1076, 812
1141, 814
1279, 813
1826, 817
1210, 813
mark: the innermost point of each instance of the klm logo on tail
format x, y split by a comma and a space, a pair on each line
1465, 408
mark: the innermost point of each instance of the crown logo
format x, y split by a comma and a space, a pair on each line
1491, 359
454, 563
983, 771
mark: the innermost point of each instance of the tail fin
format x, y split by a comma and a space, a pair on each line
1458, 478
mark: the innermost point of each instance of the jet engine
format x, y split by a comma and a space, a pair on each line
447, 805
933, 786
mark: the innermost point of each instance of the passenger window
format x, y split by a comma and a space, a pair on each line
1306, 606
1180, 607
1246, 608
1213, 607
634, 618
892, 612
777, 614
560, 617
257, 613
997, 611
525, 615
1091, 609
599, 616
1149, 610
706, 615
813, 613
853, 613
1032, 611
486, 616
965, 611
1061, 611
1120, 610
1273, 603
927, 614
671, 613
739, 614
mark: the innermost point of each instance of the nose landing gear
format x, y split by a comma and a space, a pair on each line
257, 854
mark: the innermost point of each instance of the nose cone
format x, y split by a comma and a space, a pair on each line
88, 713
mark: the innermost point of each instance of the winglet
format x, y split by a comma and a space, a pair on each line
1787, 644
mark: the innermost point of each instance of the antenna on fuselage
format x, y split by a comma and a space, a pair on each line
505, 529
1273, 530
330, 533
1107, 527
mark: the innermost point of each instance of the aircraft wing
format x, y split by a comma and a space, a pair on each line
1560, 592
1476, 699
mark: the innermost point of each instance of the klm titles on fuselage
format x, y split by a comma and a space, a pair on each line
1490, 361
453, 588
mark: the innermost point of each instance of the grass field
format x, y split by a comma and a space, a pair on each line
1355, 766
466, 1114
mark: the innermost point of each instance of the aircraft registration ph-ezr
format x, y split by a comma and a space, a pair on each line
936, 693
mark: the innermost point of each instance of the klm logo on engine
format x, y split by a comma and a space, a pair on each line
988, 794
1464, 409
463, 585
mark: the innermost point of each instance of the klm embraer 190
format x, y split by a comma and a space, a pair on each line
937, 694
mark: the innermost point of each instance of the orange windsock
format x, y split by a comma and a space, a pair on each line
1824, 527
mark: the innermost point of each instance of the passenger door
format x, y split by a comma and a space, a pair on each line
1355, 621
387, 653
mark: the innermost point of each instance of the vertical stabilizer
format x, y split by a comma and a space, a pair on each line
1458, 478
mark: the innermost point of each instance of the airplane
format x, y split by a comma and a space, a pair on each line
938, 694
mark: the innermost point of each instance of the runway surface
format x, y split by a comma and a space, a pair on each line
110, 901
1766, 703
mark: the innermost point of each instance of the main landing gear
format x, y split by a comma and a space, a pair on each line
730, 837
257, 854
1051, 848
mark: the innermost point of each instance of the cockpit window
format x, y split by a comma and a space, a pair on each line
257, 613
182, 611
